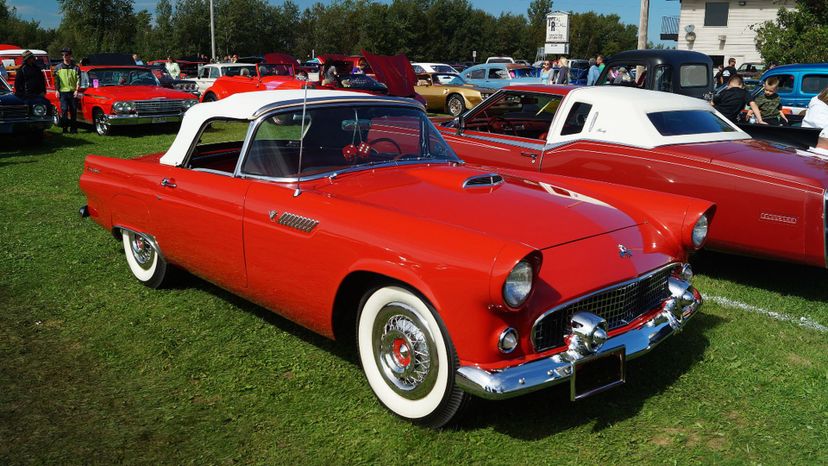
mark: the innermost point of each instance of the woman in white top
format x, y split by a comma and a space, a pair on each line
817, 114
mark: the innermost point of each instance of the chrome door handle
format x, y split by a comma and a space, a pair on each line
530, 155
168, 183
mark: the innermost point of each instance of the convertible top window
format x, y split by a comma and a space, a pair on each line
684, 122
338, 138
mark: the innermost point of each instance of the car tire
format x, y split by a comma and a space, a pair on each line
455, 105
209, 97
102, 127
144, 260
407, 357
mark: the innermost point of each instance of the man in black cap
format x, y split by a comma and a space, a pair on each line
67, 83
29, 81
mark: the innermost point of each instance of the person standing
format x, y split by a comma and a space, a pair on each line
173, 68
546, 70
728, 72
731, 101
67, 83
593, 73
599, 60
817, 114
29, 80
563, 72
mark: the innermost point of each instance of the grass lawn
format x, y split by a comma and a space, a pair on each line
96, 368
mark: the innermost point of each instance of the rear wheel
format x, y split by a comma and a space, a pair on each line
209, 97
102, 126
455, 105
407, 357
144, 260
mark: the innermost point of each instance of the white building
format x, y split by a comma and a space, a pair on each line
725, 28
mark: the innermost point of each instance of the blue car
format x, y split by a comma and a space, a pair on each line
18, 116
798, 84
497, 75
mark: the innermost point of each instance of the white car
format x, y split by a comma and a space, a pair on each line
208, 74
500, 60
423, 68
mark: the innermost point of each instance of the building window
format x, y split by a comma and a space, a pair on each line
715, 13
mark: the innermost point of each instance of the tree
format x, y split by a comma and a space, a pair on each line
90, 26
591, 34
191, 34
537, 11
796, 36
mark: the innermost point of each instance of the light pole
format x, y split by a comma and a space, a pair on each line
643, 21
212, 31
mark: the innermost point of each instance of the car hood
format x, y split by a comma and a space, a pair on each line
136, 93
760, 158
538, 215
10, 99
395, 72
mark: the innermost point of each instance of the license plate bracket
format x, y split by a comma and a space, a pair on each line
160, 119
597, 374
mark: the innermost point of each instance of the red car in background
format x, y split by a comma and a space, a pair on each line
278, 71
118, 95
12, 58
771, 201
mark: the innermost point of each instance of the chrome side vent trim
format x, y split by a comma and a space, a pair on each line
483, 181
298, 222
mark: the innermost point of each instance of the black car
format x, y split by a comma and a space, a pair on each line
677, 71
29, 116
165, 79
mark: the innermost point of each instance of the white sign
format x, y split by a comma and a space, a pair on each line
474, 53
557, 27
556, 49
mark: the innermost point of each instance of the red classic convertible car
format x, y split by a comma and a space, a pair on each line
349, 214
771, 201
126, 95
279, 72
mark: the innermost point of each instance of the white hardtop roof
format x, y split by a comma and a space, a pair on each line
244, 106
20, 52
229, 65
619, 115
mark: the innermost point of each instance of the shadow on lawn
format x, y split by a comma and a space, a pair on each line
52, 142
780, 277
544, 413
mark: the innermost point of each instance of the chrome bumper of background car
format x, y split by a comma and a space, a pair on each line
10, 126
519, 380
119, 120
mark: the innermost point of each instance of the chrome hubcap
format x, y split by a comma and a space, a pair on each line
404, 352
142, 250
455, 107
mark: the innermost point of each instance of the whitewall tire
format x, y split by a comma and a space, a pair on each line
407, 357
144, 260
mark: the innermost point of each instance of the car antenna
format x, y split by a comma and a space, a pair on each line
301, 141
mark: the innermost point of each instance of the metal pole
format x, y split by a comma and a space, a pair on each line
212, 31
643, 25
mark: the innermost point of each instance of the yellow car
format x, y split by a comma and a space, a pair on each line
449, 93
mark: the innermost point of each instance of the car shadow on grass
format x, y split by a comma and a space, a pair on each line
779, 277
546, 412
140, 131
51, 142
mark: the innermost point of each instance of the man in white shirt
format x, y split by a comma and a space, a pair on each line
817, 114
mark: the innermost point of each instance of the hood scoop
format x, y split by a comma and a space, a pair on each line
483, 181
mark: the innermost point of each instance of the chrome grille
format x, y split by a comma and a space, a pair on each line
619, 305
158, 107
13, 111
298, 222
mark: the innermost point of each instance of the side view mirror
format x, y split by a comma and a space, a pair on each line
461, 125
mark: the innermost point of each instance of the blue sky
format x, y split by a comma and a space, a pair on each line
48, 14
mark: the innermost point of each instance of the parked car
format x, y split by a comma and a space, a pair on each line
500, 60
771, 201
208, 74
425, 68
578, 70
385, 74
18, 116
449, 93
677, 71
497, 75
798, 84
381, 235
113, 96
751, 70
165, 79
12, 59
249, 78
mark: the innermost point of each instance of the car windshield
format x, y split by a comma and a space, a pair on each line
685, 122
443, 69
102, 77
449, 80
520, 73
333, 139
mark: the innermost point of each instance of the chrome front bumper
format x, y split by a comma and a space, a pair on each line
519, 380
130, 119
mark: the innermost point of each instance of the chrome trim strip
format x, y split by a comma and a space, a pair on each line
542, 373
521, 144
119, 120
587, 296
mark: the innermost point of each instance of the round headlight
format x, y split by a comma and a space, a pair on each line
39, 110
189, 103
518, 284
700, 231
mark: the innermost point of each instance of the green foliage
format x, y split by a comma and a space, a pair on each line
28, 34
591, 34
90, 26
796, 36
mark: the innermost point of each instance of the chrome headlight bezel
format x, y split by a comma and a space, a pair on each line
518, 284
189, 103
39, 110
123, 106
700, 229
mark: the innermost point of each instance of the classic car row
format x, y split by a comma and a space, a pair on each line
360, 198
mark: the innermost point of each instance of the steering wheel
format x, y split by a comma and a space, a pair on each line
391, 142
501, 125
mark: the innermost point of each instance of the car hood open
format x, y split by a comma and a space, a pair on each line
535, 214
393, 71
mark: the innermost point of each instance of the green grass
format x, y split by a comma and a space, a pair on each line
95, 368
